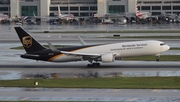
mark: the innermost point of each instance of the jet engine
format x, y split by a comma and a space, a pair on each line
106, 58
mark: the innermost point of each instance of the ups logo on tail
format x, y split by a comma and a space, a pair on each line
27, 41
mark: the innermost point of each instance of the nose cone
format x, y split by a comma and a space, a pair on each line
166, 48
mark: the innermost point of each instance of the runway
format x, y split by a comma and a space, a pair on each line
107, 95
32, 69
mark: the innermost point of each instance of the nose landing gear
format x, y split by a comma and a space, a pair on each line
157, 58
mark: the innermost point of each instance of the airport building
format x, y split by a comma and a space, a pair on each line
86, 8
157, 7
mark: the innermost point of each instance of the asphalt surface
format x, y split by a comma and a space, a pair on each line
31, 69
107, 95
13, 67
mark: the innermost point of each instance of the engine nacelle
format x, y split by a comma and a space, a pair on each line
106, 58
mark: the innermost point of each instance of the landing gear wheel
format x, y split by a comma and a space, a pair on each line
89, 65
96, 64
93, 65
157, 58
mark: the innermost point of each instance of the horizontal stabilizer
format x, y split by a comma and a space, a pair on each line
30, 55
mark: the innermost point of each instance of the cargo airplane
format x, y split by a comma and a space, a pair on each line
104, 53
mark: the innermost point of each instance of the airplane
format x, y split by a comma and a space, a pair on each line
59, 15
3, 17
171, 18
64, 16
121, 17
142, 15
104, 53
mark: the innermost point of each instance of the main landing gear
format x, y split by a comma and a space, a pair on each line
157, 58
93, 65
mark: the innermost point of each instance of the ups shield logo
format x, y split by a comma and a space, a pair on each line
27, 41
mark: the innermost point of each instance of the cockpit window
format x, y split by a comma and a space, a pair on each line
162, 44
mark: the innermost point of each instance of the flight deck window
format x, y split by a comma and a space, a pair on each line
162, 44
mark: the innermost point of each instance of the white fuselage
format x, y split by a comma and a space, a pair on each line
143, 15
120, 50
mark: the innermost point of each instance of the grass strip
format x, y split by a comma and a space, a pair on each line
174, 48
42, 101
46, 101
115, 83
49, 101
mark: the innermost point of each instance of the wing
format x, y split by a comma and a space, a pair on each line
84, 56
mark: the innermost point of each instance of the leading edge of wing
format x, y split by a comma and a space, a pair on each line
80, 54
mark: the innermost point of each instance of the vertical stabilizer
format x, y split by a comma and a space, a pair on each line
59, 12
28, 42
138, 13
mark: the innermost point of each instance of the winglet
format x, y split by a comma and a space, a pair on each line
52, 47
81, 41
